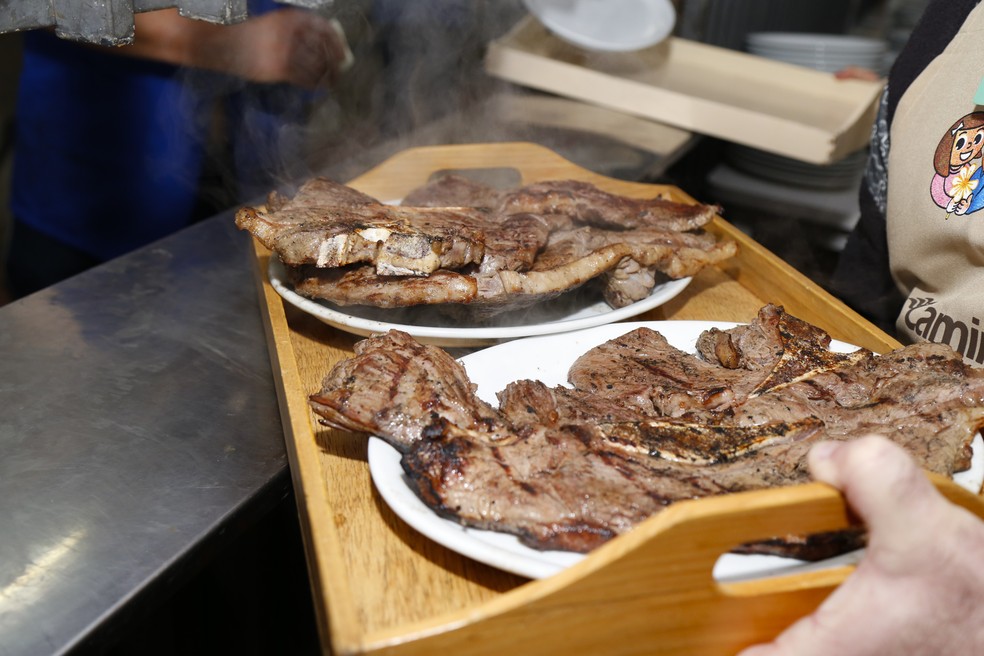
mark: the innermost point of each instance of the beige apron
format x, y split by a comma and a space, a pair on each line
936, 198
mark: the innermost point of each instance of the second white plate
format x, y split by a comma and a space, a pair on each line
548, 359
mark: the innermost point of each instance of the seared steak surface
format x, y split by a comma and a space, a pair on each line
584, 203
644, 424
458, 244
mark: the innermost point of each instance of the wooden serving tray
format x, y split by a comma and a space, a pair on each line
379, 587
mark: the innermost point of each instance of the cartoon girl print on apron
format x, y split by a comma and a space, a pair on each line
958, 167
935, 196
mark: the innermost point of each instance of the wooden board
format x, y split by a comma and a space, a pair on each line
785, 109
381, 588
564, 113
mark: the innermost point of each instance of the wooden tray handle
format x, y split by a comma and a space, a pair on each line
653, 591
412, 168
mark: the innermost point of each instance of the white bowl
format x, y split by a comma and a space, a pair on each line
612, 25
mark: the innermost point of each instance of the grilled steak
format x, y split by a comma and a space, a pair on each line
455, 191
395, 387
329, 225
569, 261
571, 488
641, 366
583, 202
777, 343
467, 245
571, 467
587, 205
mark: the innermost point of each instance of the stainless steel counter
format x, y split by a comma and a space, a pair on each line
139, 429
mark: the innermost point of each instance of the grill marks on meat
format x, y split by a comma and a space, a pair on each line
531, 487
396, 387
704, 444
600, 220
784, 345
361, 285
583, 202
641, 369
774, 350
458, 243
921, 396
571, 467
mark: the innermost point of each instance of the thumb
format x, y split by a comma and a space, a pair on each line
770, 649
881, 483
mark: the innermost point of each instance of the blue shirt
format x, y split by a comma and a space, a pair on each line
109, 149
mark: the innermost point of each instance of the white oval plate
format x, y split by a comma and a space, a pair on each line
613, 25
548, 359
569, 312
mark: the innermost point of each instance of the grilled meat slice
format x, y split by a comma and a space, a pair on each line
650, 254
314, 191
923, 396
774, 349
588, 204
630, 282
532, 402
574, 488
398, 389
585, 205
775, 341
643, 370
361, 285
330, 225
493, 250
709, 440
817, 546
558, 269
454, 191
583, 202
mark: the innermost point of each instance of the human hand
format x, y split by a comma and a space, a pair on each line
919, 588
289, 45
857, 73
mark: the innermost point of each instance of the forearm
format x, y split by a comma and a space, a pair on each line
287, 45
167, 36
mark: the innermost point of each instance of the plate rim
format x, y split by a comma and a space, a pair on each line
450, 336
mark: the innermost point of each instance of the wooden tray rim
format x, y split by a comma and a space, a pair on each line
621, 559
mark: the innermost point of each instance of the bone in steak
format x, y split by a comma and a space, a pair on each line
570, 260
642, 367
330, 225
503, 251
569, 468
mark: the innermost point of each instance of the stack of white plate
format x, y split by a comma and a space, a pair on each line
845, 172
823, 52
